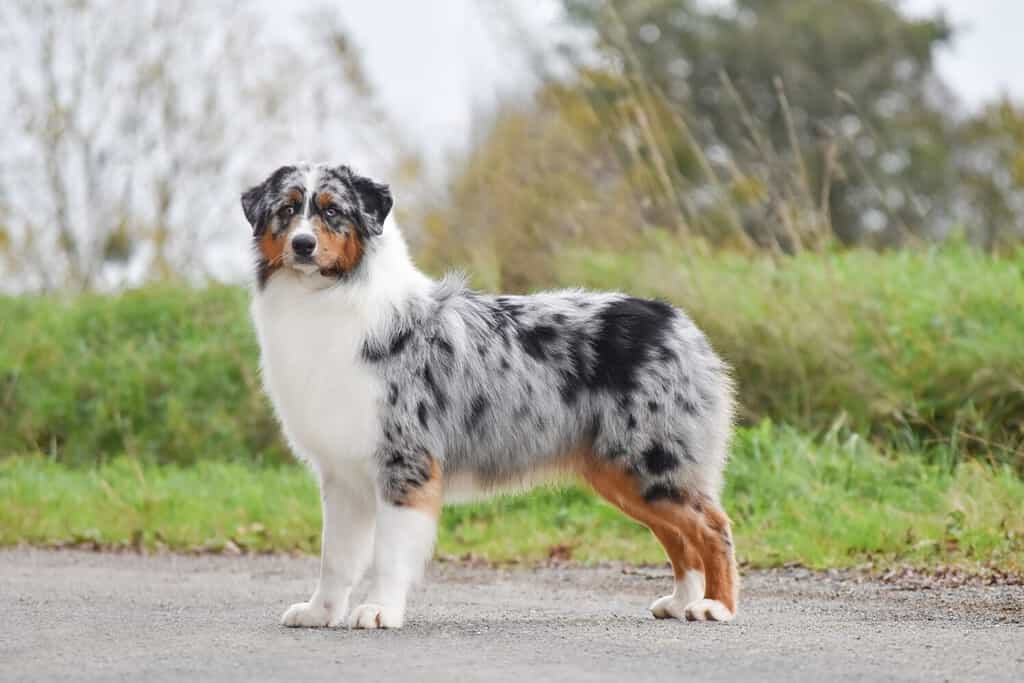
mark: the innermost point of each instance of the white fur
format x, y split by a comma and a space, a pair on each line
402, 546
348, 525
708, 610
311, 335
687, 591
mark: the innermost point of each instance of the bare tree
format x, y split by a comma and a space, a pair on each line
130, 128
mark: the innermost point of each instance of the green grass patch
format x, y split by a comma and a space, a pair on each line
918, 350
824, 503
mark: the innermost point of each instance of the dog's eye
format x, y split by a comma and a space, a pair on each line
288, 211
331, 212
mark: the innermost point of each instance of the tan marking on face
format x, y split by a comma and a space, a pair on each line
428, 497
338, 251
272, 248
323, 200
294, 196
694, 537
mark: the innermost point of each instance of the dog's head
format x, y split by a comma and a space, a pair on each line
314, 219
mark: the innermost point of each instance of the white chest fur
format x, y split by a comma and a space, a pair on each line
325, 397
310, 351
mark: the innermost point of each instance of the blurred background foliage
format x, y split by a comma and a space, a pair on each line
777, 126
754, 125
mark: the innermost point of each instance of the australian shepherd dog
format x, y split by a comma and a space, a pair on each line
402, 391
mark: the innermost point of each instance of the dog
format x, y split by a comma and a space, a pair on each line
401, 392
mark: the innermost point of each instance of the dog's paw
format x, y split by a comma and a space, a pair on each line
668, 607
376, 616
708, 610
312, 615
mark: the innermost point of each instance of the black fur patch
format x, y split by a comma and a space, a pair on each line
375, 354
440, 399
632, 332
662, 492
574, 377
535, 340
392, 393
442, 344
478, 406
421, 413
657, 460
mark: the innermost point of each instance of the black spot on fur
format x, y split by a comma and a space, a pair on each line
657, 460
478, 406
535, 340
392, 393
653, 406
508, 307
442, 344
481, 349
573, 376
631, 422
375, 354
688, 406
631, 331
504, 363
662, 492
421, 413
559, 318
440, 399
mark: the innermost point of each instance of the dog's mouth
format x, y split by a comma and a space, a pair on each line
308, 267
304, 264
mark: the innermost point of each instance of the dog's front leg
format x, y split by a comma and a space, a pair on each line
406, 528
349, 508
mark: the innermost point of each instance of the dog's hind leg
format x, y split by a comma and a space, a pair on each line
407, 513
696, 536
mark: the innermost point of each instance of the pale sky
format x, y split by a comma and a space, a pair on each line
987, 58
437, 63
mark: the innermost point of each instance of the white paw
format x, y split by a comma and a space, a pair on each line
313, 615
688, 591
376, 616
668, 607
708, 610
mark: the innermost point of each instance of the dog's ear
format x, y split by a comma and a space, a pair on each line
252, 200
257, 201
376, 202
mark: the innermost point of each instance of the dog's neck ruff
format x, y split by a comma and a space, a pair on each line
387, 280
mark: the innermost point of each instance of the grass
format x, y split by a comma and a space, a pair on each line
918, 350
825, 503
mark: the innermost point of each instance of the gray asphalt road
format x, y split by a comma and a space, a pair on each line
115, 617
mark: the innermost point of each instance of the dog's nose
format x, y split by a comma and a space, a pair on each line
303, 245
